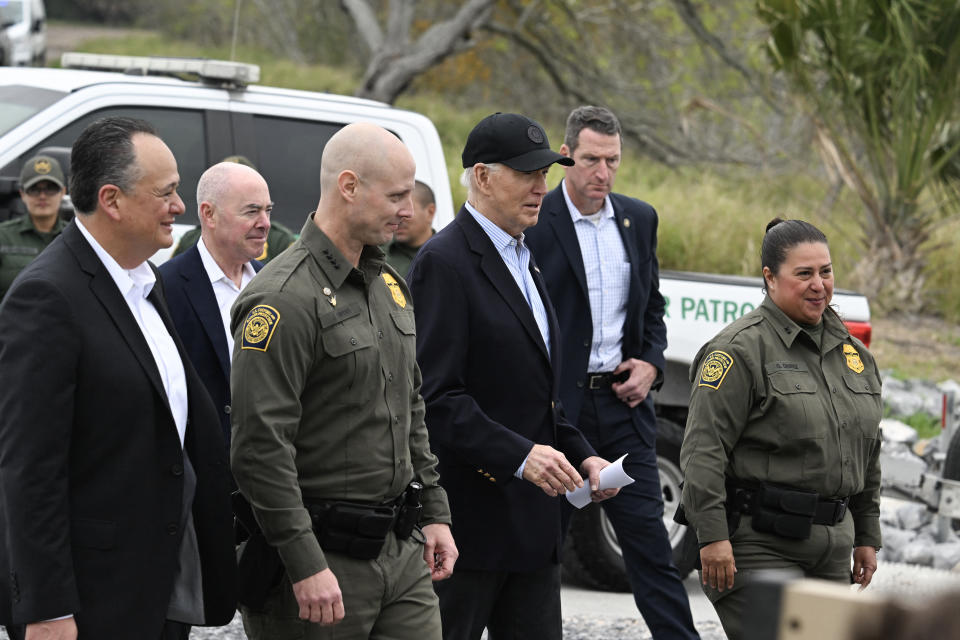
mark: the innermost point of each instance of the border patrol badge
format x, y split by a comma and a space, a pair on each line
853, 358
259, 326
715, 369
42, 167
395, 290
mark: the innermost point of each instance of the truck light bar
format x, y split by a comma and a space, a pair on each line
221, 72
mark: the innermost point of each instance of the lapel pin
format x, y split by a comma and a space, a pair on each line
626, 222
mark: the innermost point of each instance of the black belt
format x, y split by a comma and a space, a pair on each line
829, 511
602, 380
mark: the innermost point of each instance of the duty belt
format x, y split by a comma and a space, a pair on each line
828, 511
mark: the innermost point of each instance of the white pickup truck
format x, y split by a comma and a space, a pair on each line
698, 306
221, 113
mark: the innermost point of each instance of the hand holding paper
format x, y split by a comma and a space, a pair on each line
612, 477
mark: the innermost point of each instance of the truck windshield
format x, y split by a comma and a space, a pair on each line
18, 103
11, 12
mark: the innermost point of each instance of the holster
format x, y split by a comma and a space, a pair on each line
352, 528
782, 511
259, 566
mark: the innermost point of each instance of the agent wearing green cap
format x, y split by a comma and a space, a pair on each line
42, 186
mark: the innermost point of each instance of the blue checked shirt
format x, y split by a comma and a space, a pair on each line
516, 256
608, 281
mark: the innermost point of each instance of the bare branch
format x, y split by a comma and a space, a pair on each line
366, 21
691, 17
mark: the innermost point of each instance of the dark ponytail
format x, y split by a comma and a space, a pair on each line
783, 235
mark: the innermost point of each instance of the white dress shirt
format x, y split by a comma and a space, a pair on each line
135, 285
224, 289
607, 269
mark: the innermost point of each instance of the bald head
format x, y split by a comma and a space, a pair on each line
367, 177
219, 180
234, 210
363, 148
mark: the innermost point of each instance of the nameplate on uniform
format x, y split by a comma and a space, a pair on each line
259, 326
714, 369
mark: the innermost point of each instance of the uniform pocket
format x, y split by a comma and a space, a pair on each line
794, 403
868, 406
350, 346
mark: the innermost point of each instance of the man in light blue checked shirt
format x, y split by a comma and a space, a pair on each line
597, 253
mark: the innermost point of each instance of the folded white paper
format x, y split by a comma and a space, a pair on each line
611, 477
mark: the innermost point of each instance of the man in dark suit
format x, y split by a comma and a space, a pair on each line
486, 338
202, 284
115, 517
597, 252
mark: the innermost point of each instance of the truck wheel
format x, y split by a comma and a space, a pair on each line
591, 552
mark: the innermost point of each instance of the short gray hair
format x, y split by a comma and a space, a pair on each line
467, 179
599, 119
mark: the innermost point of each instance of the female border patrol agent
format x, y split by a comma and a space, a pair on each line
781, 448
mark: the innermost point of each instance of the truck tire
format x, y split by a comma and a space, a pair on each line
591, 553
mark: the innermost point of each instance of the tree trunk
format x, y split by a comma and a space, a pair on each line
395, 61
891, 276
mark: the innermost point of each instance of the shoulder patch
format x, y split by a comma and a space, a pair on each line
714, 369
259, 326
854, 363
395, 290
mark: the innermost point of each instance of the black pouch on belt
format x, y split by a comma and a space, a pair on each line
784, 512
356, 530
259, 566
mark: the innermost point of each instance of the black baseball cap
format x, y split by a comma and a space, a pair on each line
511, 139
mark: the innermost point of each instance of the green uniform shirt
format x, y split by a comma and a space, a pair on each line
400, 255
20, 243
769, 405
326, 393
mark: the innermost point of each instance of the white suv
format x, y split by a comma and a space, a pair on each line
281, 131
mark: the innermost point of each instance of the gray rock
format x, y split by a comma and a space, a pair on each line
913, 516
895, 431
946, 555
920, 551
902, 403
894, 542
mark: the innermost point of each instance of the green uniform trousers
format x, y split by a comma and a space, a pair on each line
826, 554
390, 597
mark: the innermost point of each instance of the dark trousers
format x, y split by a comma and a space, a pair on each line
512, 606
171, 631
636, 512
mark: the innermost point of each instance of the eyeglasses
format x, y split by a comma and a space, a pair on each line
43, 188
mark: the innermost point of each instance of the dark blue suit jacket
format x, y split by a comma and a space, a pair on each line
491, 394
193, 306
554, 244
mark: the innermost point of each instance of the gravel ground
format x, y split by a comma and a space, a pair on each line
894, 580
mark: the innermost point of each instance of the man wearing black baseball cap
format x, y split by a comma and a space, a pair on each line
486, 338
22, 239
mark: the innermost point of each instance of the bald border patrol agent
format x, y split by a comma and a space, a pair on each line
42, 186
329, 444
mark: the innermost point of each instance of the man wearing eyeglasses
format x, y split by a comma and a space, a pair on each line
22, 239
